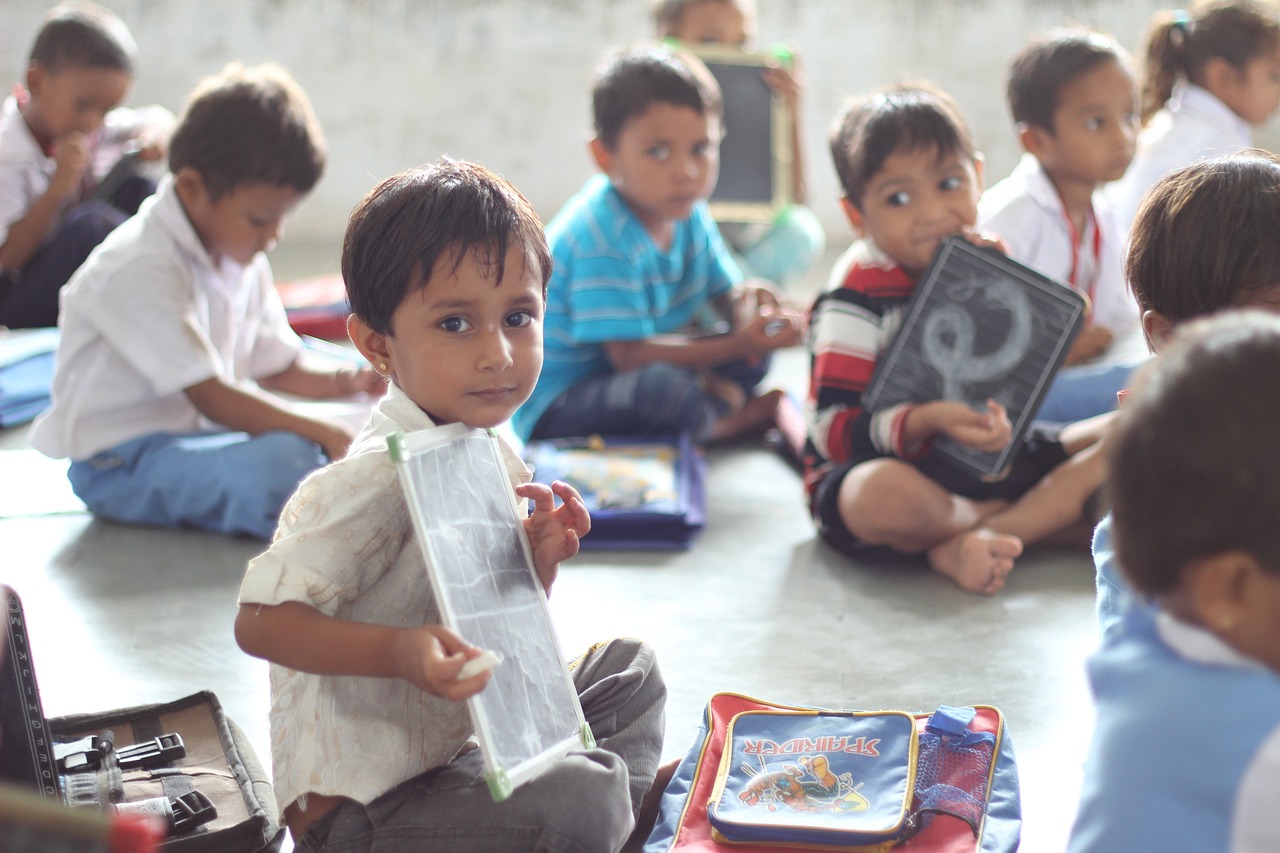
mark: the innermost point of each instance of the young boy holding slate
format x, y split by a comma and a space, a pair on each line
1076, 107
639, 267
446, 270
911, 177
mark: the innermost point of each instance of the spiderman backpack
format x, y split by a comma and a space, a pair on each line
784, 778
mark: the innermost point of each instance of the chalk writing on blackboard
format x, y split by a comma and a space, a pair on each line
979, 326
481, 571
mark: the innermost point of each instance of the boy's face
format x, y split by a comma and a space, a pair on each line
243, 221
914, 201
718, 22
75, 99
1095, 128
465, 348
665, 160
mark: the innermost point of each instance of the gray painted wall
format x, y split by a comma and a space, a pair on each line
397, 83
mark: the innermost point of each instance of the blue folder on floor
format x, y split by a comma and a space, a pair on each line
26, 373
642, 493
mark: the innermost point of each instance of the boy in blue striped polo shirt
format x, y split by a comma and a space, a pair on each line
640, 266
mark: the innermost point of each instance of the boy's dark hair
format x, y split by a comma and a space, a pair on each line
409, 224
1204, 237
1180, 44
83, 35
1191, 449
667, 14
1044, 67
901, 119
249, 126
635, 78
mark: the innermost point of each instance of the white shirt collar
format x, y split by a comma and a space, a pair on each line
1192, 100
18, 139
1196, 644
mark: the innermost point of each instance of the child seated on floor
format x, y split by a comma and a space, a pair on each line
1211, 74
1075, 106
784, 249
174, 339
446, 270
1204, 240
911, 177
639, 263
58, 136
1186, 750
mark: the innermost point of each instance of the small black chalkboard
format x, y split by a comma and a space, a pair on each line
755, 153
979, 326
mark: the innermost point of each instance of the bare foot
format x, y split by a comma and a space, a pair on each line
977, 560
754, 418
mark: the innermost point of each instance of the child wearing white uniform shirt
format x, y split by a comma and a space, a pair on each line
1073, 100
1211, 76
173, 337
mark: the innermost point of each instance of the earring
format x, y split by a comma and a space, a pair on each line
382, 366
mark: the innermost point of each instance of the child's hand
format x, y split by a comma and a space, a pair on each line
786, 81
71, 158
773, 328
353, 379
554, 533
432, 656
1090, 343
987, 431
984, 239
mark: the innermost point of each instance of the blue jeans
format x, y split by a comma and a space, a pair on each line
656, 399
226, 482
29, 297
586, 802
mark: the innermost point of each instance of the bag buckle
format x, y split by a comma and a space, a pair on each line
159, 750
190, 810
84, 754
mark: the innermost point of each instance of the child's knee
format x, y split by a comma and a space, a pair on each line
591, 809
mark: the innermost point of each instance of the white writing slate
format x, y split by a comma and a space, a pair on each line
481, 571
979, 326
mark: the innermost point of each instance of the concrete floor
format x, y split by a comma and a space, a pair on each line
122, 616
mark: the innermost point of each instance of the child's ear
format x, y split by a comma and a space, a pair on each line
1217, 590
602, 155
35, 77
1032, 138
851, 213
980, 169
1156, 328
1220, 77
190, 186
372, 345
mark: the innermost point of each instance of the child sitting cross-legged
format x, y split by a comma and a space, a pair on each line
174, 341
911, 177
1074, 101
446, 271
1186, 749
640, 269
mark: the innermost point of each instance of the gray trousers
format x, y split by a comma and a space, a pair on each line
587, 801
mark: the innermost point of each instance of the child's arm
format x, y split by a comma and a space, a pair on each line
554, 534
788, 84
26, 234
307, 380
987, 431
298, 636
239, 408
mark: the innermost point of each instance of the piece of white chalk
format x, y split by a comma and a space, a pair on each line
486, 661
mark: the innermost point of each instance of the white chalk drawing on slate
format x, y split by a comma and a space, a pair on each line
979, 326
481, 571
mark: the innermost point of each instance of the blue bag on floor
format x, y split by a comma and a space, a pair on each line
642, 493
26, 373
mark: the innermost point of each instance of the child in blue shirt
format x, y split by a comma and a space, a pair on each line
639, 266
1186, 750
1074, 101
1203, 241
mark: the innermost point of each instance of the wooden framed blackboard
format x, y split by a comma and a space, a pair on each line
755, 153
979, 326
481, 571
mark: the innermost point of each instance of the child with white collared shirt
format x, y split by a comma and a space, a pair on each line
1210, 77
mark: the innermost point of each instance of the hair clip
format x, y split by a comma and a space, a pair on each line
1181, 20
